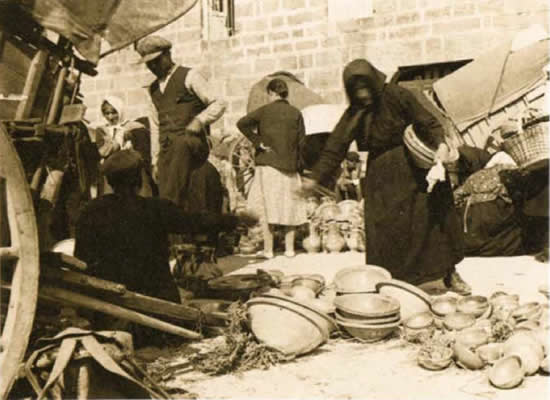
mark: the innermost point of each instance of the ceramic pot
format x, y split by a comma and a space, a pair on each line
312, 243
334, 242
354, 240
311, 205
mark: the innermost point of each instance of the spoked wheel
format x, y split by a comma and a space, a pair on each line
242, 161
19, 263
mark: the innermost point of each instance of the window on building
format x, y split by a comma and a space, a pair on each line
339, 10
218, 19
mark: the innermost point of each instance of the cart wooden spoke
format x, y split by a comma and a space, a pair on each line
241, 156
19, 262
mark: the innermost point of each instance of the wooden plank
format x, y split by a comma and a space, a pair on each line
76, 299
4, 222
118, 294
34, 76
62, 260
11, 253
81, 280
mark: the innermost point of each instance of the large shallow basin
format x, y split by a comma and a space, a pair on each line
359, 279
367, 305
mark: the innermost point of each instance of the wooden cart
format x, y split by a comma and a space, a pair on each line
41, 112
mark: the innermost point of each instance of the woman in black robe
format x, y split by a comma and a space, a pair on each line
412, 233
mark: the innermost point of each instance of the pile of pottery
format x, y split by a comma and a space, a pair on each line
369, 317
509, 338
292, 318
334, 227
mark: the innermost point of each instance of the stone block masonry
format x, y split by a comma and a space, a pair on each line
298, 36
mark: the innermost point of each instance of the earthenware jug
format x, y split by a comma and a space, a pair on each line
354, 239
334, 242
312, 203
312, 243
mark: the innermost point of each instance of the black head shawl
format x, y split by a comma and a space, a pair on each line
359, 73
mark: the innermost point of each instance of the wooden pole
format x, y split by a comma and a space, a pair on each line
75, 299
119, 295
36, 70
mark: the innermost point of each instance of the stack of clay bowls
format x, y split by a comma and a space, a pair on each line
369, 317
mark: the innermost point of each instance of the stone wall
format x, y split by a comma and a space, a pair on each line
296, 35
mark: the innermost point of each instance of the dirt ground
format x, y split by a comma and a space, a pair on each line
343, 369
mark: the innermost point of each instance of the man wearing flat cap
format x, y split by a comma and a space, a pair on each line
183, 108
123, 237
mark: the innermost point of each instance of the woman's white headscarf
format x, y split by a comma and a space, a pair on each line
116, 132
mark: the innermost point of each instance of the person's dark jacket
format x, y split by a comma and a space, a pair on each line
379, 129
124, 239
279, 126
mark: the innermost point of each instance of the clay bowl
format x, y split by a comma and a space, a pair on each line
419, 321
490, 352
315, 282
504, 300
322, 318
525, 345
457, 321
530, 356
530, 325
487, 313
467, 358
475, 305
418, 326
443, 306
360, 279
412, 299
300, 334
526, 311
369, 333
473, 337
367, 305
435, 361
506, 373
351, 319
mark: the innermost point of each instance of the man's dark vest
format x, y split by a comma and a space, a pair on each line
177, 106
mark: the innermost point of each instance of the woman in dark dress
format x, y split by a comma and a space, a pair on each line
412, 231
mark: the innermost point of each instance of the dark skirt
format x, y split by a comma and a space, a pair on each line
492, 229
414, 234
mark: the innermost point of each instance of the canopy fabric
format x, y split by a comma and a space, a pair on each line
322, 118
491, 82
118, 22
298, 95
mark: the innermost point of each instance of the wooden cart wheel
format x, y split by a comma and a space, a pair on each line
241, 156
19, 263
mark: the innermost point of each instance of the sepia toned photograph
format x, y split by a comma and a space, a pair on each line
274, 199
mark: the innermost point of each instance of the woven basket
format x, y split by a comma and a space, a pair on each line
530, 144
422, 155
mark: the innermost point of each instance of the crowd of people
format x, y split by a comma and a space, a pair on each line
156, 183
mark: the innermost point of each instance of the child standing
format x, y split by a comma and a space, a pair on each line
277, 132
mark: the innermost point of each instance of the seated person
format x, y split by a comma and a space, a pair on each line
119, 133
347, 185
491, 223
124, 237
